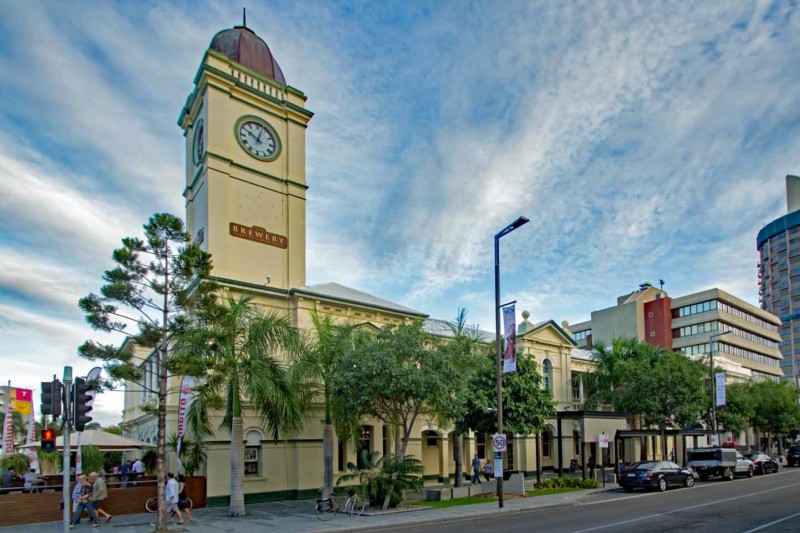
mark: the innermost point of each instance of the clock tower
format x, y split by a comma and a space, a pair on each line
245, 164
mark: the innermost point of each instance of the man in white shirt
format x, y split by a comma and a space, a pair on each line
172, 497
137, 470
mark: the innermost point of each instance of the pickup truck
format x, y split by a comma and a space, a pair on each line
723, 462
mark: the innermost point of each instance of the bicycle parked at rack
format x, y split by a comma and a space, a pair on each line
327, 508
152, 504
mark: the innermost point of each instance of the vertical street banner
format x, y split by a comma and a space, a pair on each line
8, 428
510, 339
720, 389
31, 438
184, 402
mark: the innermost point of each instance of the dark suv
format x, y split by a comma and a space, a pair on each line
793, 455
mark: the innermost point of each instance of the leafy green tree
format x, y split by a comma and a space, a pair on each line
238, 351
776, 409
665, 388
145, 298
740, 408
397, 376
315, 366
526, 403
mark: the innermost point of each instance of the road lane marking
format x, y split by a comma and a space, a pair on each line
772, 523
699, 506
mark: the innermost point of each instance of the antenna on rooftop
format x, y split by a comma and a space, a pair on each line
244, 17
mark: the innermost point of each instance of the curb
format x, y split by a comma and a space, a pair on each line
477, 514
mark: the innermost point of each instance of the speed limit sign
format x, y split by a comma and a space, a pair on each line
499, 443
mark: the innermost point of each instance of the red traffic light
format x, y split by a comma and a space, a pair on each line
48, 440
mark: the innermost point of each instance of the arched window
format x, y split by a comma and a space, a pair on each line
547, 371
547, 439
252, 453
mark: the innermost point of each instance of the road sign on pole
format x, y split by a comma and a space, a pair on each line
602, 440
499, 443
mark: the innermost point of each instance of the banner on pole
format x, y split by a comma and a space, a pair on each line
720, 389
510, 337
184, 402
8, 429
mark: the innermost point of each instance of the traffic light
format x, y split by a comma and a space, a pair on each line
81, 398
51, 398
48, 440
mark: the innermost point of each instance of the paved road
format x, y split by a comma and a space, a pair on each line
764, 503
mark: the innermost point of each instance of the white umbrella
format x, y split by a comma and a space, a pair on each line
101, 439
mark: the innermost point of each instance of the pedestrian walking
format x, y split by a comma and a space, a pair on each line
488, 470
183, 499
476, 470
99, 494
85, 503
172, 499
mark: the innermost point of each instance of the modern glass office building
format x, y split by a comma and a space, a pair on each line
779, 275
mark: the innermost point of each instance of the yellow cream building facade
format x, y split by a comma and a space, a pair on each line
245, 200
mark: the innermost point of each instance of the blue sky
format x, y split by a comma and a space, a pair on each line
643, 140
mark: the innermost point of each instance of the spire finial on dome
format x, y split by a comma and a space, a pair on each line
244, 17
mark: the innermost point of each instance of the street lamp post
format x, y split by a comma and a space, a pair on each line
713, 380
508, 229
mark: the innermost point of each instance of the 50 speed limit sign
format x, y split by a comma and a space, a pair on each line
499, 443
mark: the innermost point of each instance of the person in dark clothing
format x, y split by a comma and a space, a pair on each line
476, 470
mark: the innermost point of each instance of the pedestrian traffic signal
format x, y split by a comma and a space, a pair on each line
81, 399
51, 398
48, 440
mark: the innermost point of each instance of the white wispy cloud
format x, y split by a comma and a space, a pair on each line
642, 140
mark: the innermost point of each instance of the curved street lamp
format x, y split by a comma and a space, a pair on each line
521, 221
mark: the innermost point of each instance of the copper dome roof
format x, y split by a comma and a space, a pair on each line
242, 45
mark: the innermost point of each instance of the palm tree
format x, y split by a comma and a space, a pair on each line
316, 364
608, 379
236, 349
465, 339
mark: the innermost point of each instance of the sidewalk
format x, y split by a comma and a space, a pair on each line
298, 516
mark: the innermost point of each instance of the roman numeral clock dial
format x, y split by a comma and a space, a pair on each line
258, 138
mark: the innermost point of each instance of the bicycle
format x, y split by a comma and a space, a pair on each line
327, 508
152, 504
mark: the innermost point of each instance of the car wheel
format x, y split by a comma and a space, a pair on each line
729, 474
662, 484
750, 471
689, 481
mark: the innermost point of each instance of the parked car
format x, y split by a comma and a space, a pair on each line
793, 455
723, 462
655, 475
763, 463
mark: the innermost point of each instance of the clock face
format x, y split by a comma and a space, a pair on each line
258, 138
198, 145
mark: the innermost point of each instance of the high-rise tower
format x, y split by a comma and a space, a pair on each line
779, 275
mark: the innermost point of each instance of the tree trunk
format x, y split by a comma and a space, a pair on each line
161, 463
539, 458
236, 507
398, 442
458, 446
327, 455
